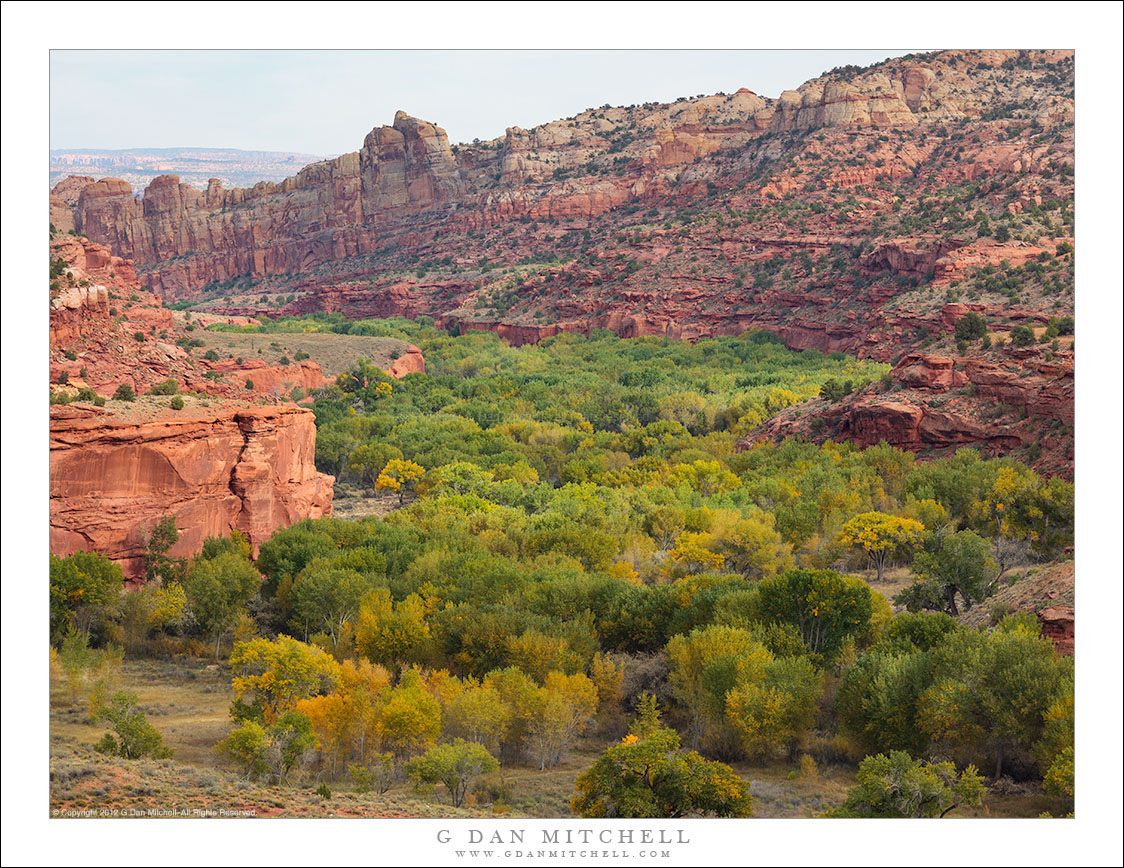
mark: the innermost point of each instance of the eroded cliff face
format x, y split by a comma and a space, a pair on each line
219, 463
112, 477
328, 212
936, 403
407, 187
80, 300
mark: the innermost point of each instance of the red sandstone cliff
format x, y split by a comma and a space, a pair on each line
214, 470
215, 465
410, 362
407, 187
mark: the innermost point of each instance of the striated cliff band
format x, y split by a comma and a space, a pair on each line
214, 470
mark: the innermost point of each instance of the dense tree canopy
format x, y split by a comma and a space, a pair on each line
572, 527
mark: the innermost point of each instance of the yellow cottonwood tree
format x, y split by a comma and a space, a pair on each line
568, 704
878, 534
278, 673
387, 632
399, 476
478, 714
692, 554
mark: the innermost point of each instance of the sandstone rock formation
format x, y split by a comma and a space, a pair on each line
864, 212
326, 212
1058, 626
64, 196
234, 468
943, 403
410, 362
80, 301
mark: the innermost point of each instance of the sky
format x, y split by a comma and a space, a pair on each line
324, 102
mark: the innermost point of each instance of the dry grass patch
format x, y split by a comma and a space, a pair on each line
334, 353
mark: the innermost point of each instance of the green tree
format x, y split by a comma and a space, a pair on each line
648, 775
289, 738
879, 698
236, 542
150, 608
1022, 336
1055, 752
915, 631
826, 607
83, 585
900, 786
708, 478
835, 391
774, 705
217, 589
991, 692
949, 565
158, 566
289, 551
247, 748
377, 775
971, 327
1022, 506
704, 666
328, 597
456, 765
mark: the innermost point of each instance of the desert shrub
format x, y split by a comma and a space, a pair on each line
168, 387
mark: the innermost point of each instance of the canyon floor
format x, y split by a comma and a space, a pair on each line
188, 700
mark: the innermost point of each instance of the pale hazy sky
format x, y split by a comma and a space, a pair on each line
324, 102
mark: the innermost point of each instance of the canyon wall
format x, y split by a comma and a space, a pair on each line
229, 458
407, 185
866, 212
112, 478
329, 211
